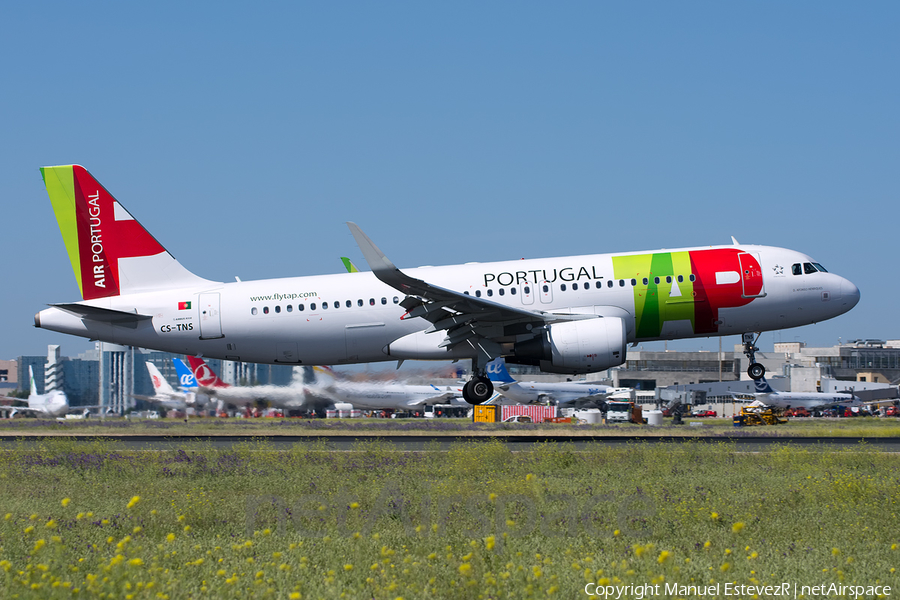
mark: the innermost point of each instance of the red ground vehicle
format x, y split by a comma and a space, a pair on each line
797, 412
705, 413
892, 411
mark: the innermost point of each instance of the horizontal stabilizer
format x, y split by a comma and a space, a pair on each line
104, 315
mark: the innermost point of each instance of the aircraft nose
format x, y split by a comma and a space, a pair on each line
849, 294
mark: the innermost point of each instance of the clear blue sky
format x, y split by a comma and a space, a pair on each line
244, 137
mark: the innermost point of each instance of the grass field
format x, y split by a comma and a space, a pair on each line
477, 521
849, 427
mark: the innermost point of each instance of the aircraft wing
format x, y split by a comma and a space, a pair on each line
22, 409
438, 398
477, 322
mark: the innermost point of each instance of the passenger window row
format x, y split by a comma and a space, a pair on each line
322, 306
585, 286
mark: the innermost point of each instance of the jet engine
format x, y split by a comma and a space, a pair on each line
584, 346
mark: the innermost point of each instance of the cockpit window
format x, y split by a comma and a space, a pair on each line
820, 267
808, 268
795, 269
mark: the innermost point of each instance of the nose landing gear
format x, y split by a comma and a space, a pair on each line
756, 371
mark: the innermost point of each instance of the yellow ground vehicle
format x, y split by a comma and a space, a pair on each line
485, 414
757, 415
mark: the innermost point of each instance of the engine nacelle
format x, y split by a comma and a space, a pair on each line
585, 346
426, 346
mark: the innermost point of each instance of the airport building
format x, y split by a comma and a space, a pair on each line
124, 373
9, 377
860, 361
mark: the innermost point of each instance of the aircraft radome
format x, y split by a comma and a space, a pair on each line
573, 314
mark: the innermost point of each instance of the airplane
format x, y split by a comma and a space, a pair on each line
772, 398
372, 395
295, 396
571, 315
165, 395
322, 392
562, 393
52, 404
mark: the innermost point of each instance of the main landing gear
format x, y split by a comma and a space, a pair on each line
756, 371
478, 390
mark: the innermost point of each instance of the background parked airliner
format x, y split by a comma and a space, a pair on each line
52, 404
380, 395
572, 314
318, 389
808, 400
295, 396
165, 395
563, 393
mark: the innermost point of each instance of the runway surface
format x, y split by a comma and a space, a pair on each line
427, 442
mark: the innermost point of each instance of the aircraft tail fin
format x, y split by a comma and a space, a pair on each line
186, 379
497, 373
111, 253
205, 376
323, 375
762, 386
160, 385
32, 391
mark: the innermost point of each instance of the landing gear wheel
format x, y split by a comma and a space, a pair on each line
478, 390
756, 371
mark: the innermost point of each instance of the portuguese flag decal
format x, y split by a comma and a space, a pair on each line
184, 306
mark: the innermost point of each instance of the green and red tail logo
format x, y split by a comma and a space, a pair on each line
97, 230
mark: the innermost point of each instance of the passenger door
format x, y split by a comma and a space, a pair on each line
751, 275
210, 316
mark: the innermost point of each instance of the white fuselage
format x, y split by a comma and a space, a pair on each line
529, 392
51, 404
807, 400
353, 317
397, 396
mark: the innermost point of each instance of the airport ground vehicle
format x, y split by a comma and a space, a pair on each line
797, 412
517, 419
623, 412
496, 413
705, 413
757, 415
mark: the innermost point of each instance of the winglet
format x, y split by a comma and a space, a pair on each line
378, 262
381, 267
734, 241
348, 264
